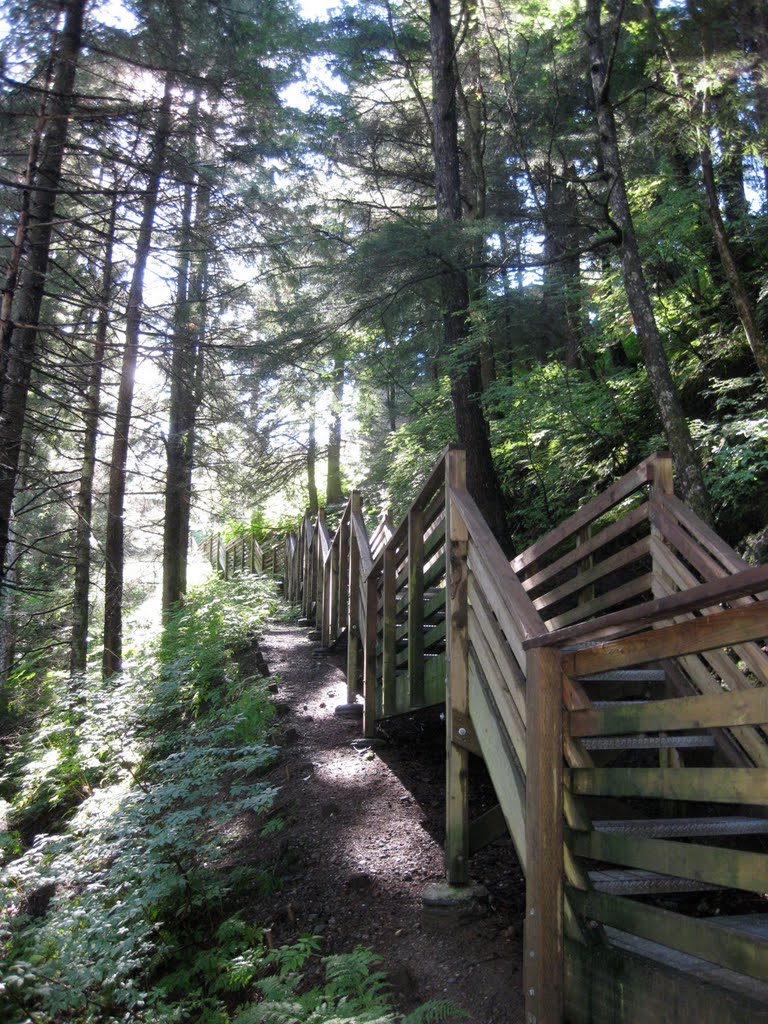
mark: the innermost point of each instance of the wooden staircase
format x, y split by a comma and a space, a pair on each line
613, 678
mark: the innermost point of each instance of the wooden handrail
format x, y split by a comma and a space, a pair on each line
697, 598
363, 545
488, 550
706, 633
618, 491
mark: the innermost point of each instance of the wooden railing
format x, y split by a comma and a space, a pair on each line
599, 667
244, 554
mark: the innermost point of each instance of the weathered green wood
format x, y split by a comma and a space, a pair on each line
543, 940
503, 768
353, 611
728, 947
457, 681
369, 655
712, 785
747, 707
493, 644
388, 633
706, 633
731, 869
498, 686
416, 606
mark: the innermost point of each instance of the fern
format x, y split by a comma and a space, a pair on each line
435, 1010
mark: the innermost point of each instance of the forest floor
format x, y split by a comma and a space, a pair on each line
363, 838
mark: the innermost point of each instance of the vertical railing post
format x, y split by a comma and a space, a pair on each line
369, 653
331, 616
457, 677
389, 631
415, 607
543, 939
353, 602
342, 597
319, 572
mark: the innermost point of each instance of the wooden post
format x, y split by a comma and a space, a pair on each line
457, 674
345, 532
369, 654
353, 600
331, 616
415, 607
388, 632
543, 940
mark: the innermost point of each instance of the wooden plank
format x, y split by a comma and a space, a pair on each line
695, 598
369, 655
706, 633
683, 579
457, 675
361, 539
543, 939
711, 785
627, 591
719, 944
492, 647
416, 605
632, 519
704, 534
618, 491
353, 609
503, 589
506, 775
747, 707
389, 653
731, 869
587, 578
489, 674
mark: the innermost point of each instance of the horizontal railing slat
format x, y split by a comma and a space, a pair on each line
713, 785
719, 944
731, 869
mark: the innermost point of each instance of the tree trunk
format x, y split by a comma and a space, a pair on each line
189, 325
562, 273
115, 536
81, 595
466, 379
334, 495
311, 463
22, 345
687, 463
741, 298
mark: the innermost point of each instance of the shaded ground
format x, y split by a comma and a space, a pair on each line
362, 839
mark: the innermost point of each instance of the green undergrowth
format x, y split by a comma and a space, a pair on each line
130, 904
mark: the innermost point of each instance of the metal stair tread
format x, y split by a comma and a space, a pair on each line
627, 675
698, 741
722, 826
634, 882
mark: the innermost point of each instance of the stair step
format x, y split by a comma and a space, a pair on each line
727, 826
697, 741
627, 675
632, 882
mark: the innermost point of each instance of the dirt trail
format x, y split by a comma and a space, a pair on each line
363, 839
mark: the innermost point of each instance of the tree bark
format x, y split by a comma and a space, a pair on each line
687, 463
466, 378
334, 495
22, 346
189, 327
81, 595
114, 551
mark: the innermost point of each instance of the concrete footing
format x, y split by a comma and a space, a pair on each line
444, 906
348, 711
